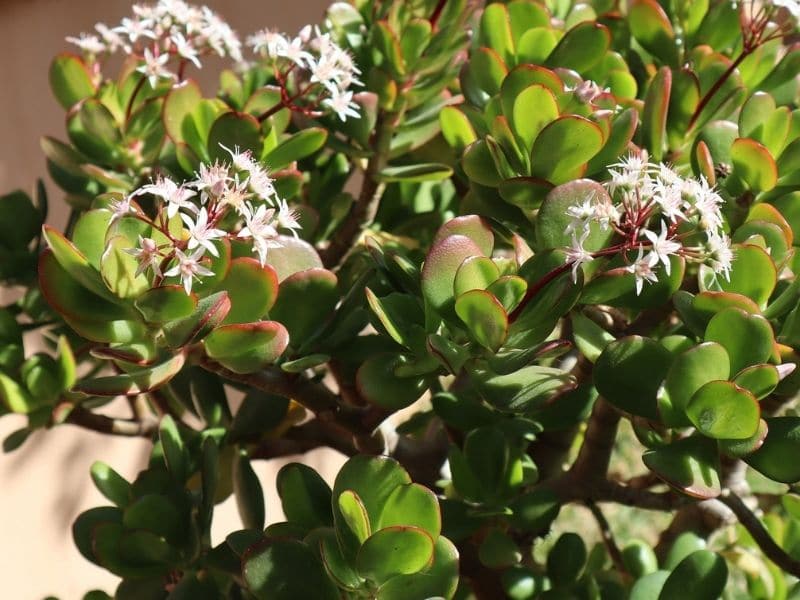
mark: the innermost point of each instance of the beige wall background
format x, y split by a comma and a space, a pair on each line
45, 484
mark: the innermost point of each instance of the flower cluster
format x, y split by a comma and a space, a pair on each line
656, 213
169, 31
314, 67
235, 200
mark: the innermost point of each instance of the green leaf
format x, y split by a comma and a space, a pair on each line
783, 440
293, 255
623, 128
252, 290
415, 173
488, 69
495, 31
759, 380
394, 551
533, 109
651, 27
479, 166
297, 146
233, 130
690, 370
166, 303
14, 397
742, 448
754, 164
747, 338
249, 495
439, 271
484, 316
534, 511
118, 269
629, 372
336, 564
75, 263
374, 479
182, 100
498, 550
590, 338
412, 504
209, 313
305, 497
70, 80
439, 580
22, 221
552, 219
306, 301
566, 559
701, 575
690, 464
649, 586
639, 558
247, 347
282, 569
377, 382
563, 148
456, 128
723, 410
175, 454
474, 227
524, 389
138, 381
354, 515
111, 484
654, 119
581, 48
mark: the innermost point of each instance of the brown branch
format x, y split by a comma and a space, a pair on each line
598, 442
102, 424
608, 537
366, 205
757, 531
304, 438
314, 396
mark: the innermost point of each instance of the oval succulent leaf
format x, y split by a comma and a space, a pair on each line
396, 550
723, 410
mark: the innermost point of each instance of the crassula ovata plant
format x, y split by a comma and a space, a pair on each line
529, 265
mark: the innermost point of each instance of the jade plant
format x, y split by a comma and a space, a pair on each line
529, 265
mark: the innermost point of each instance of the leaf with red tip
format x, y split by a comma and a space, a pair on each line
210, 312
439, 272
75, 263
654, 120
133, 383
252, 290
691, 465
474, 227
563, 148
754, 164
247, 347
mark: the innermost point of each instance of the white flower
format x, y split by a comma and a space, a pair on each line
175, 196
342, 104
642, 271
201, 233
577, 254
720, 253
88, 43
241, 160
588, 91
188, 268
267, 41
661, 248
259, 227
185, 49
120, 208
580, 214
153, 67
111, 38
212, 180
147, 254
294, 51
136, 28
287, 217
235, 195
262, 184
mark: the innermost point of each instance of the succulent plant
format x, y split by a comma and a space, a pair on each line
505, 258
